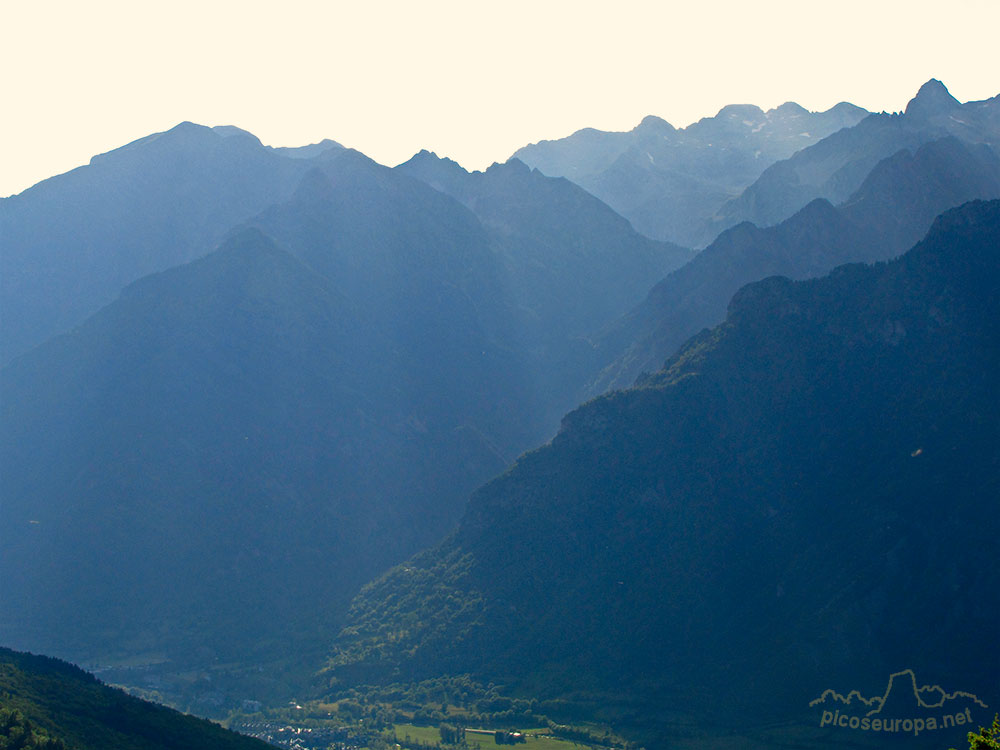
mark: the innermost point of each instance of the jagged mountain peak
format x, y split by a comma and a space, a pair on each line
512, 166
932, 98
425, 154
424, 159
789, 109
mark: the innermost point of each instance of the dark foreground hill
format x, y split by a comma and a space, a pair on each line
77, 712
803, 499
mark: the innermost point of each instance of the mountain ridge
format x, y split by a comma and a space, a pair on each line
73, 241
681, 542
836, 166
893, 208
667, 181
75, 707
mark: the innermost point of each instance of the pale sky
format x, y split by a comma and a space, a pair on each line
467, 79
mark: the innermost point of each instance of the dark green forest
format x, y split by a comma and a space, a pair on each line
52, 705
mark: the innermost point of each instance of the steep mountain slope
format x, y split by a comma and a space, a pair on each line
891, 210
572, 264
202, 474
835, 167
69, 244
421, 269
899, 198
69, 705
804, 497
666, 181
204, 471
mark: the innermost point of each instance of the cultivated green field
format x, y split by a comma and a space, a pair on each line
537, 739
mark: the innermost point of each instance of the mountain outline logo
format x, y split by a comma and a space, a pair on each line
903, 706
880, 701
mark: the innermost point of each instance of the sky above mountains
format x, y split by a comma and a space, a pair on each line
469, 80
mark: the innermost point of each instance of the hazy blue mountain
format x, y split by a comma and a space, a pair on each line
900, 197
421, 269
573, 265
891, 210
835, 167
73, 708
668, 182
210, 466
306, 152
803, 498
574, 262
69, 244
204, 471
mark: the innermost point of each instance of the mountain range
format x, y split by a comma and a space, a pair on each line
237, 436
239, 383
744, 164
891, 210
72, 242
575, 265
836, 167
280, 420
668, 181
803, 491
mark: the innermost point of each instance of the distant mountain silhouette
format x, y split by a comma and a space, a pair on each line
573, 265
211, 465
308, 152
932, 100
669, 182
891, 210
836, 167
71, 243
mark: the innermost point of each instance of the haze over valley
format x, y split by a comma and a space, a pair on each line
634, 439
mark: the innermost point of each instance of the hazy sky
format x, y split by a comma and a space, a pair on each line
470, 80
